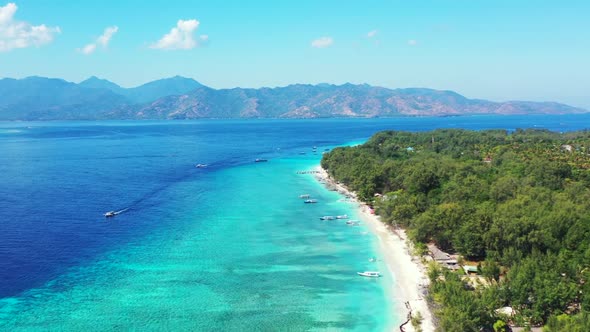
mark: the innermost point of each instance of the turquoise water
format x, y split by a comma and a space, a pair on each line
261, 260
230, 247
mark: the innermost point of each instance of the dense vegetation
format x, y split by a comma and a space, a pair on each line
518, 203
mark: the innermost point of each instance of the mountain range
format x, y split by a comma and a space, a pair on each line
39, 98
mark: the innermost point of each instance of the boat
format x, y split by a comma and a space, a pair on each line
306, 196
310, 201
372, 259
201, 165
259, 160
344, 216
301, 152
327, 218
370, 274
111, 214
352, 222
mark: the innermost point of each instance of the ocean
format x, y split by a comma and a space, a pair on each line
228, 247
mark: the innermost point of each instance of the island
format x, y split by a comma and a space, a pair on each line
500, 218
180, 98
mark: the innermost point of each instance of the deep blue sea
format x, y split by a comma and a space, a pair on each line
227, 247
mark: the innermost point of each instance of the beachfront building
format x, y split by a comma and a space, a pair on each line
444, 259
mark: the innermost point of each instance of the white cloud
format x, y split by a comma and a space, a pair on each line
103, 40
19, 34
372, 33
322, 42
88, 49
180, 37
412, 42
107, 35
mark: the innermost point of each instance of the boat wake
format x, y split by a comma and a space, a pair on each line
114, 213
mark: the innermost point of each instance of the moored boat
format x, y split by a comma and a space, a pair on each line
305, 196
344, 216
327, 218
260, 160
370, 274
310, 201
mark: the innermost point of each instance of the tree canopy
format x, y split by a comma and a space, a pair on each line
517, 201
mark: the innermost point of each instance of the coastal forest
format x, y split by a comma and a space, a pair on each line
515, 203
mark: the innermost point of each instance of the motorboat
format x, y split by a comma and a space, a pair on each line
305, 196
344, 216
111, 214
201, 165
370, 274
352, 222
310, 201
327, 218
259, 160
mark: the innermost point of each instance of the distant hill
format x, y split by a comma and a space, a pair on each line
99, 83
324, 101
151, 91
38, 98
176, 85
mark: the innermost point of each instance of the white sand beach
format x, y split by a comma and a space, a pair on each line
408, 272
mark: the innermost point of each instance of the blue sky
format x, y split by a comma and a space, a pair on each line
499, 50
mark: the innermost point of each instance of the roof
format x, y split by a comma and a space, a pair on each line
438, 254
521, 329
508, 311
470, 268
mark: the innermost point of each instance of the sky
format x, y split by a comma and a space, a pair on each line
498, 50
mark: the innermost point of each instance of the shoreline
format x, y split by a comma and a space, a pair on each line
409, 274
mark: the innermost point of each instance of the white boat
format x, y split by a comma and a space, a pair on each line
344, 216
111, 214
327, 218
201, 165
310, 201
305, 196
372, 259
352, 222
370, 274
